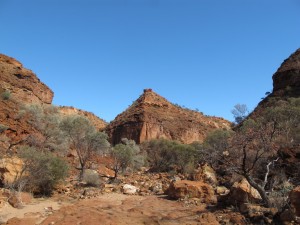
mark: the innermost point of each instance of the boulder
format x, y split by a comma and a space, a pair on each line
129, 189
241, 192
18, 199
10, 169
192, 189
295, 200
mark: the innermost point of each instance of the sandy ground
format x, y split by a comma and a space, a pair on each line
39, 208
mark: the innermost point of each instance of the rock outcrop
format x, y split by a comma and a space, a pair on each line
99, 123
18, 86
286, 81
23, 85
152, 117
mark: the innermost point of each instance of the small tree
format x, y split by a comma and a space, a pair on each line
84, 138
41, 171
126, 154
240, 112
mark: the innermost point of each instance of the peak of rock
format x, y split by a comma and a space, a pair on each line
99, 123
22, 83
286, 81
152, 116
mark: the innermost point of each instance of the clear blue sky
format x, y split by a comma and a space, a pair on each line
99, 55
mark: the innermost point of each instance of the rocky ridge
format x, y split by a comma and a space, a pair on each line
99, 123
152, 117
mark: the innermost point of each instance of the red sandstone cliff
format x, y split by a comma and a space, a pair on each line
152, 116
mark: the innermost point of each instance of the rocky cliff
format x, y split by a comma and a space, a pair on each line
99, 123
18, 86
21, 83
151, 117
286, 81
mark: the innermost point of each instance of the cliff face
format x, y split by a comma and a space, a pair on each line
18, 86
22, 83
99, 123
286, 81
152, 116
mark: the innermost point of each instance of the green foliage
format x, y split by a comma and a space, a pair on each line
91, 178
126, 154
6, 95
46, 120
42, 171
165, 156
84, 138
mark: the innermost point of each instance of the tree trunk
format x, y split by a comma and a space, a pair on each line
260, 190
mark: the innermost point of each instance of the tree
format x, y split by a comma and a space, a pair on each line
45, 120
41, 172
126, 154
165, 155
240, 112
84, 138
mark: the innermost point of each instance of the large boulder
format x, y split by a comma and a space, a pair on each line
10, 169
242, 192
129, 189
295, 201
184, 189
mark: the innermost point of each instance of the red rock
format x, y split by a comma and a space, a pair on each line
241, 192
18, 199
192, 189
152, 117
295, 200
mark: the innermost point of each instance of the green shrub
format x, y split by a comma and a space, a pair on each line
6, 95
166, 156
91, 178
42, 171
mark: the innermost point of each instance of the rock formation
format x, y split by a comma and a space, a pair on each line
99, 123
152, 116
18, 86
22, 83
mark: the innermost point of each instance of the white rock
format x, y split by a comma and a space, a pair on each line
129, 189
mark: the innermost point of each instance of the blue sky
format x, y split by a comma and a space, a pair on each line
99, 55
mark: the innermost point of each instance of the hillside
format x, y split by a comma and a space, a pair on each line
152, 117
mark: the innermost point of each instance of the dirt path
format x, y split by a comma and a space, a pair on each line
118, 209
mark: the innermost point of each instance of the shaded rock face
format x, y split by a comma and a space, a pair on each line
99, 123
22, 83
152, 117
286, 81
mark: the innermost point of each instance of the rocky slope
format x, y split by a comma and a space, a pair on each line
99, 123
151, 117
18, 86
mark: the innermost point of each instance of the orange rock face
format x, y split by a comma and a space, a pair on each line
99, 123
152, 117
22, 83
192, 189
22, 87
